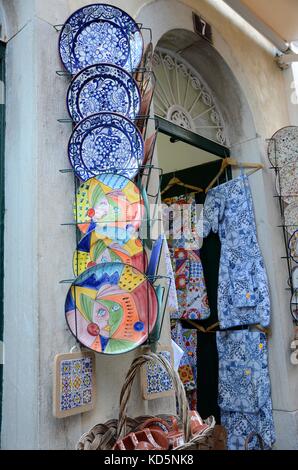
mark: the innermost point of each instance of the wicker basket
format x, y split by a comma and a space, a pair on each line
104, 436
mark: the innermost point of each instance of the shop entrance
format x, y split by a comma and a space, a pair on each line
195, 160
192, 141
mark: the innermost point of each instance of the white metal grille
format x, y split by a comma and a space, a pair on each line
183, 98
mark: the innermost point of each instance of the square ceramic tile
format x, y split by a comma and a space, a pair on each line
156, 382
74, 384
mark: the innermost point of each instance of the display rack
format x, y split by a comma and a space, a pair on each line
286, 236
145, 173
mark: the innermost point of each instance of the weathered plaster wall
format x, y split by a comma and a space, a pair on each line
20, 405
39, 251
15, 15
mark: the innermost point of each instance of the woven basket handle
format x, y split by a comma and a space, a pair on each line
178, 386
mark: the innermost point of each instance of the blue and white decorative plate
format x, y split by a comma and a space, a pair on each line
103, 87
100, 33
106, 142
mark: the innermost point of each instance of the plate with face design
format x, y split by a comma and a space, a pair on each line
111, 206
287, 182
106, 142
92, 251
111, 308
283, 146
97, 34
103, 87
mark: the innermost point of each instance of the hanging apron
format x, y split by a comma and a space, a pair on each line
244, 395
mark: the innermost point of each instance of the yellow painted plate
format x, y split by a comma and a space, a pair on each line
92, 251
111, 205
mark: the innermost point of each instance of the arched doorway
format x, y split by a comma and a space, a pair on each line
182, 97
174, 33
184, 101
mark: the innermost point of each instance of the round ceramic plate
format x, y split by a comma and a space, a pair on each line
111, 308
291, 217
106, 142
100, 33
287, 182
283, 146
293, 246
101, 88
92, 251
111, 206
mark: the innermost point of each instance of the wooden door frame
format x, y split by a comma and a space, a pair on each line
178, 133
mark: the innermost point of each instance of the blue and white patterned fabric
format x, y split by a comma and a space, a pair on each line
180, 220
243, 293
244, 387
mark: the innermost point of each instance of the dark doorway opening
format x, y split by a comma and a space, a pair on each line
195, 160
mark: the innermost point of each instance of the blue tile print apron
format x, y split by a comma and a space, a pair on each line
186, 261
243, 293
244, 388
189, 285
187, 340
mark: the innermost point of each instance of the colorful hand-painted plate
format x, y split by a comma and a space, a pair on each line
293, 246
97, 34
111, 308
111, 206
105, 142
287, 182
283, 146
100, 88
291, 217
92, 251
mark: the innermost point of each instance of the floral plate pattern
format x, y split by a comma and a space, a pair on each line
100, 33
106, 142
103, 87
111, 308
